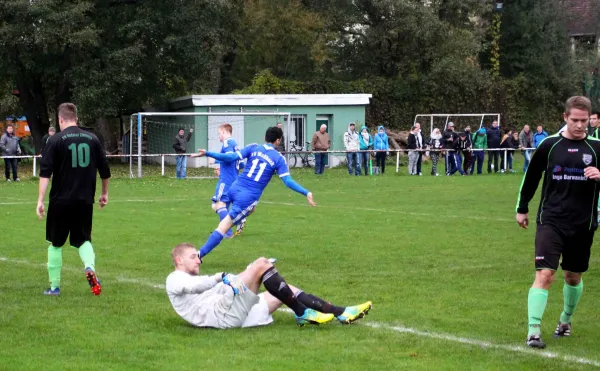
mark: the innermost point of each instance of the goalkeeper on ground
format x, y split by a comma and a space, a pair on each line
225, 301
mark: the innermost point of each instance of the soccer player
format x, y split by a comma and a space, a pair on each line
225, 301
72, 157
567, 215
244, 193
228, 173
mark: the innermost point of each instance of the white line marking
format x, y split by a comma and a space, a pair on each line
376, 325
436, 215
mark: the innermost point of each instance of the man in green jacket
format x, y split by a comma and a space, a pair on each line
479, 142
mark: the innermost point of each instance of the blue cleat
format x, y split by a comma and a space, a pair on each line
50, 292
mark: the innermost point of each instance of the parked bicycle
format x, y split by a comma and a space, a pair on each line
301, 159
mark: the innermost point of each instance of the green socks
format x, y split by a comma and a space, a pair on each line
572, 294
536, 305
86, 253
54, 266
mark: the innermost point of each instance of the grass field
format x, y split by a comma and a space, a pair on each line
442, 259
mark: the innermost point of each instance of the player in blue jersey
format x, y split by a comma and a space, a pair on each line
263, 162
228, 173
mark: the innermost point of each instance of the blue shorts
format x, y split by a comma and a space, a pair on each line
221, 193
242, 203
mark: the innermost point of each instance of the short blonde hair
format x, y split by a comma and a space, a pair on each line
178, 251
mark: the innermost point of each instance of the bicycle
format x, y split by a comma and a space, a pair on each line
306, 159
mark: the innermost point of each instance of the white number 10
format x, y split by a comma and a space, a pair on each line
261, 168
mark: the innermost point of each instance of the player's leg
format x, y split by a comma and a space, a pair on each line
81, 239
57, 232
575, 262
548, 248
221, 204
345, 315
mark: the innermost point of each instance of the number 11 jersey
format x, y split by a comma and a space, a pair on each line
263, 162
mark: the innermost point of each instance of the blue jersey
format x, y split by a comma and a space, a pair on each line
263, 162
229, 170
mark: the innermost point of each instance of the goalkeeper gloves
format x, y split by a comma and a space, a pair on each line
236, 283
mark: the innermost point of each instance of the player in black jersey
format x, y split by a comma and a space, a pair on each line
567, 215
72, 157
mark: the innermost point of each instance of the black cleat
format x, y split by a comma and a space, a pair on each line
563, 329
535, 341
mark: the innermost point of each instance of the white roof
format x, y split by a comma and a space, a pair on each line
277, 100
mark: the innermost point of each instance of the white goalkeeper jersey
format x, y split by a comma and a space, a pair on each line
200, 300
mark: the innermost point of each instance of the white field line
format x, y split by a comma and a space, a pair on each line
387, 211
376, 325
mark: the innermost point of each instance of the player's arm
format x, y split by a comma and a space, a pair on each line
531, 180
284, 174
104, 171
230, 156
193, 284
46, 166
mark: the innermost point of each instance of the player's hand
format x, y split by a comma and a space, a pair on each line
523, 220
191, 130
309, 197
217, 171
103, 200
235, 283
592, 173
41, 212
201, 152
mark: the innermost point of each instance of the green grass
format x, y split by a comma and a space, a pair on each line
435, 254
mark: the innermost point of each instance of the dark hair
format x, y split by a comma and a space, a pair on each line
273, 133
507, 130
597, 113
180, 129
68, 112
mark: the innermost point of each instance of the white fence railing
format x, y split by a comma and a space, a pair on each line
292, 153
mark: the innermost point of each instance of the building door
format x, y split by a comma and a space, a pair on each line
320, 121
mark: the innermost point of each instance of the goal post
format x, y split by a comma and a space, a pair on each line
150, 137
446, 118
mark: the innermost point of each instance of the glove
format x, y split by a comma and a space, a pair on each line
235, 283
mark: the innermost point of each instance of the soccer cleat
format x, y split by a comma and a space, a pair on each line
92, 279
535, 341
51, 292
312, 317
353, 313
240, 227
563, 329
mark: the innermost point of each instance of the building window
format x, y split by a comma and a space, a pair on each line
297, 129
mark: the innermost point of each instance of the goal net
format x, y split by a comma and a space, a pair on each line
151, 135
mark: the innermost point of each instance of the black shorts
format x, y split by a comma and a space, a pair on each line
72, 220
574, 246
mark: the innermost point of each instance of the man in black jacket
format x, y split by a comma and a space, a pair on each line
51, 132
493, 140
180, 146
449, 140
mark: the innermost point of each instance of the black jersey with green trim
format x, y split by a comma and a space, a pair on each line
569, 199
72, 157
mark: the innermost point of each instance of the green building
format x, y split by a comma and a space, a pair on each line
307, 113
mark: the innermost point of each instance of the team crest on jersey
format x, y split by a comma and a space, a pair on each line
587, 159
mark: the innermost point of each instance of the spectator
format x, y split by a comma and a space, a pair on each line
493, 141
449, 140
281, 145
470, 138
526, 141
463, 146
479, 140
351, 143
435, 145
51, 132
381, 146
514, 145
420, 146
9, 146
180, 146
594, 128
320, 142
506, 143
366, 143
539, 135
413, 155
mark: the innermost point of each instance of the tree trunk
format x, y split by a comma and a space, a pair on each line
106, 136
33, 102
